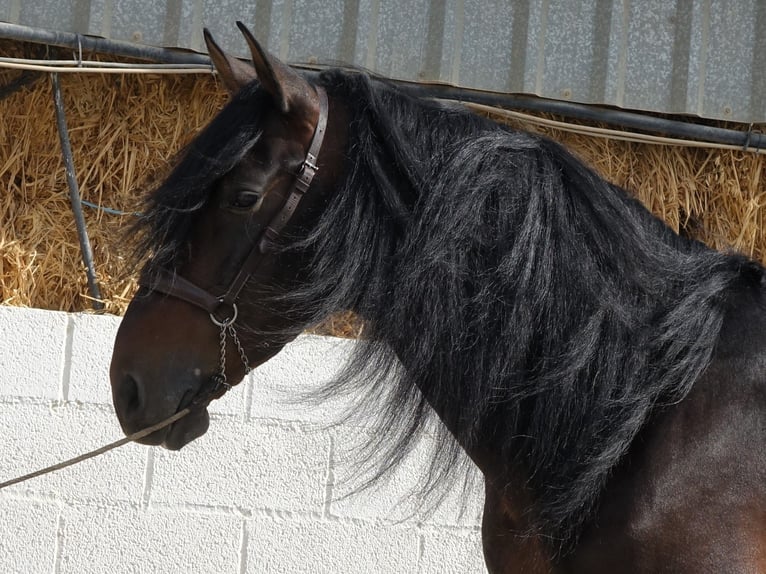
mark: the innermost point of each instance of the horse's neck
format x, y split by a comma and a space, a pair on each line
485, 457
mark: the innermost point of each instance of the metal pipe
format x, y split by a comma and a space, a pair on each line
101, 45
74, 195
621, 118
632, 120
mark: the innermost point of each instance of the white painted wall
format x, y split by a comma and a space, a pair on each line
258, 493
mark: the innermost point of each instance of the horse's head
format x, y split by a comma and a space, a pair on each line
214, 231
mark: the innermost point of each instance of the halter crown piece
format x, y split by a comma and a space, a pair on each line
180, 288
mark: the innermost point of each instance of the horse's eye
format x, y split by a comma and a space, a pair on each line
245, 200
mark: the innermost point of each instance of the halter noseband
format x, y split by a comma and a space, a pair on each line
180, 288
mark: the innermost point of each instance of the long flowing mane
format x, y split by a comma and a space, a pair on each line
542, 312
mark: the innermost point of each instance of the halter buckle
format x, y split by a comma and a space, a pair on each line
309, 162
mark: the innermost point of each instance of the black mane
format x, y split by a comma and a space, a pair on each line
541, 311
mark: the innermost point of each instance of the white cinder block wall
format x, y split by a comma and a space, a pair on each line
261, 492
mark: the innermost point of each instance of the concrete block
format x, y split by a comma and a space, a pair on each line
397, 497
92, 342
234, 402
35, 436
32, 345
246, 465
27, 535
449, 552
393, 498
262, 492
115, 540
311, 547
280, 385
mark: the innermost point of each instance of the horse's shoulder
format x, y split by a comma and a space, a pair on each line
691, 493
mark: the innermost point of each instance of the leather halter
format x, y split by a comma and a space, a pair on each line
176, 286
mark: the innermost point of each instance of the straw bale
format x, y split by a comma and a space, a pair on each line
126, 129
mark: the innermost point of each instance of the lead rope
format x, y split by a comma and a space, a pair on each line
125, 440
219, 388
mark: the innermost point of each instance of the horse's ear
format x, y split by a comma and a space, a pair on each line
285, 85
235, 74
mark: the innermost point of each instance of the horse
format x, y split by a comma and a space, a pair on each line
604, 373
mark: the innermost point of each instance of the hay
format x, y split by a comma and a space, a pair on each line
125, 129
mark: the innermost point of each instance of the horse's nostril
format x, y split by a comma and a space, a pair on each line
129, 396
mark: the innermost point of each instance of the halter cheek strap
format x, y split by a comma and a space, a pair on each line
181, 288
184, 289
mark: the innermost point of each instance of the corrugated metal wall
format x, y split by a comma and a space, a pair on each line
702, 57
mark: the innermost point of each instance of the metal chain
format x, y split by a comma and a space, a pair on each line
240, 349
221, 378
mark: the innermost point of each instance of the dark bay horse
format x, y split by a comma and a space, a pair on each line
607, 376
